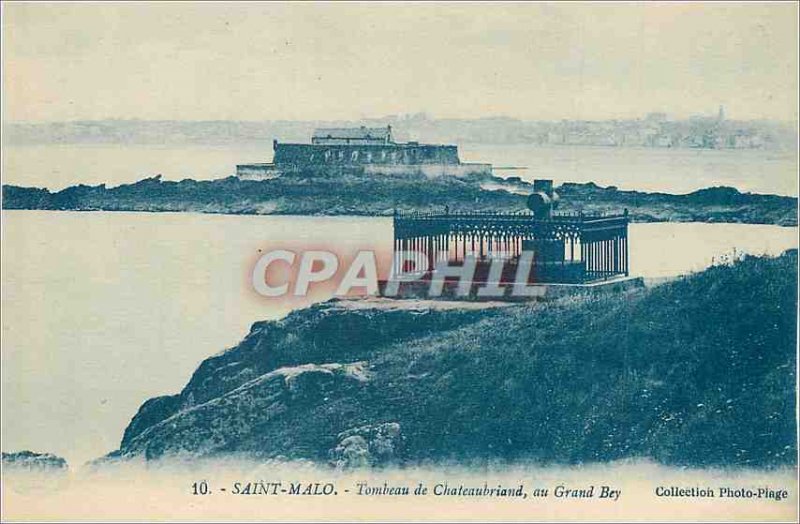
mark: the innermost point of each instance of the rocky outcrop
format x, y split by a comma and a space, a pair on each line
699, 371
251, 416
28, 461
359, 193
714, 204
254, 397
151, 413
366, 446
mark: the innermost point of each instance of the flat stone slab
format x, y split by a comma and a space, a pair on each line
418, 290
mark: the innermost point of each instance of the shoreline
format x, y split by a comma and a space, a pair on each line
349, 215
345, 193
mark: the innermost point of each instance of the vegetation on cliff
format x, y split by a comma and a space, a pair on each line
355, 193
699, 371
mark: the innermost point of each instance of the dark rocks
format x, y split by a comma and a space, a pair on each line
256, 397
28, 461
715, 204
151, 413
236, 420
363, 194
699, 371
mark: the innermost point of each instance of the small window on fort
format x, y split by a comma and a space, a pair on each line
354, 156
341, 155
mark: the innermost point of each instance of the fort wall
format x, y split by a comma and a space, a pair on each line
390, 154
362, 150
257, 171
268, 171
431, 170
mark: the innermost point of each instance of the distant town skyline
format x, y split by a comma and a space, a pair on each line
256, 61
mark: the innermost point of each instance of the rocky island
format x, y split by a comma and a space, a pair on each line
29, 461
699, 372
358, 193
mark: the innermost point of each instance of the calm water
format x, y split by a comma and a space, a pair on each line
647, 169
668, 170
104, 310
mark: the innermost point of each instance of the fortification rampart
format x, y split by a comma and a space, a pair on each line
391, 154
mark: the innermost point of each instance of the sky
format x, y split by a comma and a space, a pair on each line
323, 61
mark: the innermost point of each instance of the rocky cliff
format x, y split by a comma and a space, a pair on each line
700, 371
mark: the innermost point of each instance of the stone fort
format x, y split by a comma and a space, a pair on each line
368, 149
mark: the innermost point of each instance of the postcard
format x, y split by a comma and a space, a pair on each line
399, 262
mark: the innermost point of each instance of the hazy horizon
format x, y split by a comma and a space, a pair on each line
322, 62
402, 118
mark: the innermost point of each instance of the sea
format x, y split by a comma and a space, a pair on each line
102, 310
647, 169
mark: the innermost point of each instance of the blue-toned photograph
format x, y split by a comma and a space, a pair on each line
403, 261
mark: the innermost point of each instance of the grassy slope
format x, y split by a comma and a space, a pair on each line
700, 371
